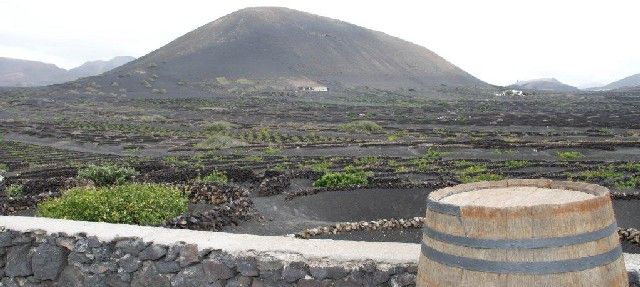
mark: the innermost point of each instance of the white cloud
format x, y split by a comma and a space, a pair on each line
579, 42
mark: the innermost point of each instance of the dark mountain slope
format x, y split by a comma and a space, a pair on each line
297, 48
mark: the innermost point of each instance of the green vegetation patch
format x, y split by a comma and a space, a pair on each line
360, 127
103, 175
569, 155
4, 167
215, 177
145, 204
319, 166
14, 190
610, 176
477, 172
515, 164
480, 177
219, 127
343, 179
272, 150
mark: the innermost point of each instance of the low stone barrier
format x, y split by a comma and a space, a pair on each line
52, 252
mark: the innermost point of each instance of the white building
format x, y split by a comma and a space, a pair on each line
314, 89
511, 93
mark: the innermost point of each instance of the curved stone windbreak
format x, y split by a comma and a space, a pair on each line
41, 251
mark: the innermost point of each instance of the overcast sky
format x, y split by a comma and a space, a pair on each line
582, 43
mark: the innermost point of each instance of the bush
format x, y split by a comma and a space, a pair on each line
360, 126
477, 172
433, 155
342, 179
319, 166
569, 155
103, 175
4, 167
14, 190
514, 164
219, 127
146, 204
215, 177
272, 150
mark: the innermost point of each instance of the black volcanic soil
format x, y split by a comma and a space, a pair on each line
327, 208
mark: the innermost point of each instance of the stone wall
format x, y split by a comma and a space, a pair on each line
52, 257
50, 252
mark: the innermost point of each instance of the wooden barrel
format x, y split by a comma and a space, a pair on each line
521, 232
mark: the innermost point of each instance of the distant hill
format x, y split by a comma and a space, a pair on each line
628, 82
286, 47
544, 85
93, 68
25, 73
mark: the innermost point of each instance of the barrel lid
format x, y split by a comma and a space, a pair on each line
516, 193
516, 196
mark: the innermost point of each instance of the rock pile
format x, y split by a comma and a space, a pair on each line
629, 234
274, 185
380, 224
39, 259
230, 206
9, 205
625, 195
170, 175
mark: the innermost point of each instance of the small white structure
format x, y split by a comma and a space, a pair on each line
510, 93
314, 89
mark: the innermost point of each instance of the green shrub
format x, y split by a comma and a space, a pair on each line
433, 155
360, 127
628, 183
477, 172
255, 158
145, 204
608, 174
4, 167
513, 164
219, 127
569, 155
631, 166
14, 190
272, 150
473, 169
215, 177
103, 175
342, 179
218, 141
320, 166
480, 177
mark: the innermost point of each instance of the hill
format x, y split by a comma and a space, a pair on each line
288, 48
26, 73
98, 67
544, 85
632, 81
